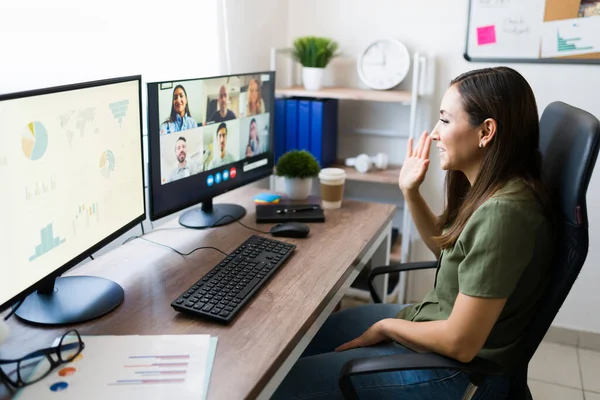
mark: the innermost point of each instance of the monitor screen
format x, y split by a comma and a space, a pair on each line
208, 136
72, 177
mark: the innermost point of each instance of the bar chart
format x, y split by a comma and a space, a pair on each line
47, 242
40, 189
86, 216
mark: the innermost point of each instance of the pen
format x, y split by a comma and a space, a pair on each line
294, 210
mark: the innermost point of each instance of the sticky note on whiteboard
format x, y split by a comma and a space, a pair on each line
486, 35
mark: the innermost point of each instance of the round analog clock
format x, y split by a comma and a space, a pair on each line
383, 64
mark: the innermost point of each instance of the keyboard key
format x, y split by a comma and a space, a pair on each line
248, 288
224, 313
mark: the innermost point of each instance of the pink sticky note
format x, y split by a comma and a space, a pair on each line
486, 34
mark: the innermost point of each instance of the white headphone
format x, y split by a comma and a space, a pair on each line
363, 162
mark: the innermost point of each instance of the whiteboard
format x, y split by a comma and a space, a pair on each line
531, 31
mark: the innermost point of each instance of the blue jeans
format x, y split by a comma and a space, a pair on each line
315, 375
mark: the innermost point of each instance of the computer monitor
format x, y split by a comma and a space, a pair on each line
72, 181
206, 137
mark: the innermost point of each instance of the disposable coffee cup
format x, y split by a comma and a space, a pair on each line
332, 187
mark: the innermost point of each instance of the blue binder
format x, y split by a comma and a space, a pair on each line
291, 127
304, 122
324, 130
280, 124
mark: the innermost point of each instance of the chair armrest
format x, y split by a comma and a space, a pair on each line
479, 368
412, 266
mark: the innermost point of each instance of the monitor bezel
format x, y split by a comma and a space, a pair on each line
154, 174
124, 229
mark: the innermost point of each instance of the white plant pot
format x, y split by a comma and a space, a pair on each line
312, 78
298, 189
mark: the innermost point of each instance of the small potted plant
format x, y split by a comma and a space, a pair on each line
298, 168
314, 53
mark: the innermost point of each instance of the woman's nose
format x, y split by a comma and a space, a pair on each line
434, 135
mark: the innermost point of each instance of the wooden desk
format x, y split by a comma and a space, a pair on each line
258, 348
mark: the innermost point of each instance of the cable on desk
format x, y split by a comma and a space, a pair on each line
179, 252
156, 230
238, 221
14, 310
91, 256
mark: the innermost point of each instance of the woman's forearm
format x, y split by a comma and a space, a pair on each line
426, 336
425, 220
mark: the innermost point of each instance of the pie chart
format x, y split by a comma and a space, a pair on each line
34, 140
107, 163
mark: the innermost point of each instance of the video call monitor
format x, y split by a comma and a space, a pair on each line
72, 181
208, 136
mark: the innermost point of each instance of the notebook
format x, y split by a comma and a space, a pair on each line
289, 212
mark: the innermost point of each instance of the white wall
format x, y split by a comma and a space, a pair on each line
439, 26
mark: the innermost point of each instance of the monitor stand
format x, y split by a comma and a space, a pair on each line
210, 215
71, 300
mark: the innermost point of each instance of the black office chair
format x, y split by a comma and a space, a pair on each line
569, 143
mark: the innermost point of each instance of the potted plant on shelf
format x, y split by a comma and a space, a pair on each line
298, 168
314, 53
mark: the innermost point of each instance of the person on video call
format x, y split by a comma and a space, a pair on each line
222, 157
223, 113
255, 146
255, 104
491, 242
184, 167
180, 118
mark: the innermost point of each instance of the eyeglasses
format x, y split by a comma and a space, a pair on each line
37, 365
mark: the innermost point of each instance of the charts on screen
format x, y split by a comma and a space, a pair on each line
87, 216
34, 140
48, 242
107, 163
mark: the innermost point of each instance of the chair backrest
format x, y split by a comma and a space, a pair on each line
569, 143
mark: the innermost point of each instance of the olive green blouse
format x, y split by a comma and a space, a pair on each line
503, 252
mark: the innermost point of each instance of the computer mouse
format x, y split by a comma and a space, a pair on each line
290, 230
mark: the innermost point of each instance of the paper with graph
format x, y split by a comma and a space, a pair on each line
132, 367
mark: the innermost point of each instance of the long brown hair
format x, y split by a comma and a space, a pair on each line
253, 108
503, 94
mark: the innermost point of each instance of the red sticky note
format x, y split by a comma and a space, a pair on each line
486, 34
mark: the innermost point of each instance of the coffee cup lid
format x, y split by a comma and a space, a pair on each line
332, 173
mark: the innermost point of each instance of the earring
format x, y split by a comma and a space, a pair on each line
480, 145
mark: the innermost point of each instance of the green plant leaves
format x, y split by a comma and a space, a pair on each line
297, 164
314, 51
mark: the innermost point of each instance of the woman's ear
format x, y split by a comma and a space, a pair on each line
487, 132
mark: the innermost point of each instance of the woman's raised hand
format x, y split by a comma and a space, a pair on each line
415, 165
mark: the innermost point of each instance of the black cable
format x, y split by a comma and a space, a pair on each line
238, 221
91, 256
179, 252
198, 248
14, 310
156, 230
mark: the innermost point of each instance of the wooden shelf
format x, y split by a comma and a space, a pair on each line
343, 93
387, 176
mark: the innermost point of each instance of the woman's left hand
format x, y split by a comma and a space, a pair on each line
371, 337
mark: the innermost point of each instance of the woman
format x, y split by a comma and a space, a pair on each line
255, 104
254, 146
491, 242
180, 118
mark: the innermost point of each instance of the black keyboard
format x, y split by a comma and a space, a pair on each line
224, 291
